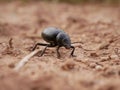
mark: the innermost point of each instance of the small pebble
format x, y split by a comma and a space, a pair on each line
113, 56
98, 68
104, 58
97, 40
11, 65
85, 60
92, 65
93, 54
68, 66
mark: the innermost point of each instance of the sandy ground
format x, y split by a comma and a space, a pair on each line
96, 26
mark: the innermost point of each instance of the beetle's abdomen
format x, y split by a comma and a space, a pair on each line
49, 34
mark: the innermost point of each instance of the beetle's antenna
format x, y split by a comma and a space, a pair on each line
85, 49
81, 46
77, 42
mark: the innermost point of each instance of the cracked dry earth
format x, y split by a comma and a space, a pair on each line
97, 65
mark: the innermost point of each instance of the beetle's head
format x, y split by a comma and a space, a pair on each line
67, 43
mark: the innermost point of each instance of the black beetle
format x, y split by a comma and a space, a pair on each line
55, 37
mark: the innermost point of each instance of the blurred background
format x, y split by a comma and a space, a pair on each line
72, 1
94, 23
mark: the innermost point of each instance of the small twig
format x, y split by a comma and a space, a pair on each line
104, 45
10, 43
25, 60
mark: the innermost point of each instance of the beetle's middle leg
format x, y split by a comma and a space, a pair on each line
47, 45
44, 50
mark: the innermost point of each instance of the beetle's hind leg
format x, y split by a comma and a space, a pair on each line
42, 44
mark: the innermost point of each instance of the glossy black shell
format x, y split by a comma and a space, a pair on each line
49, 34
56, 36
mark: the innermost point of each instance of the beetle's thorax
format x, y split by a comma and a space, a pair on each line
63, 40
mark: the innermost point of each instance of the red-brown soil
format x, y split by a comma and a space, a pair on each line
96, 26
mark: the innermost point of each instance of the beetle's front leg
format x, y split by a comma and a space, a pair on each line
58, 53
72, 53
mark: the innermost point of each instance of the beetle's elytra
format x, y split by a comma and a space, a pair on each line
55, 37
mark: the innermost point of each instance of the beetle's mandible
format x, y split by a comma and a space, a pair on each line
55, 37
